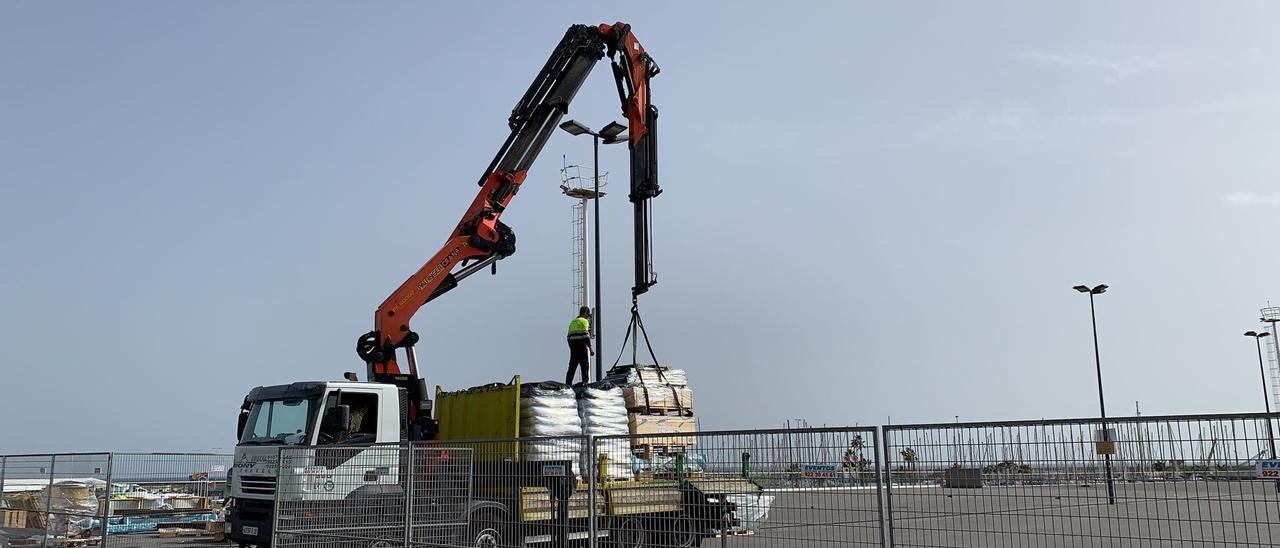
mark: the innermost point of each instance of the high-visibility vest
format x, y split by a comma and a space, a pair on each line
580, 330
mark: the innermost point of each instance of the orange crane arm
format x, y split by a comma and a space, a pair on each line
480, 238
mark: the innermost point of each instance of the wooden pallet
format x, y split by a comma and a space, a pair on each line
184, 532
660, 411
647, 451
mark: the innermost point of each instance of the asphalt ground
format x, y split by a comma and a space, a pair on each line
1201, 513
1154, 514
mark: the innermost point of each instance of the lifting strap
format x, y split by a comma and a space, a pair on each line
635, 330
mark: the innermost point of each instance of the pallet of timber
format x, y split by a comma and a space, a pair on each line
648, 451
16, 519
682, 430
536, 504
658, 399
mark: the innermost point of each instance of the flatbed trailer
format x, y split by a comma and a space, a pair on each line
677, 511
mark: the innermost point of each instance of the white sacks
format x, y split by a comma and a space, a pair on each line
653, 375
550, 409
603, 412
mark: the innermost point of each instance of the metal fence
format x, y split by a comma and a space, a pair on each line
52, 498
812, 487
1149, 481
440, 494
92, 499
816, 487
1152, 481
164, 499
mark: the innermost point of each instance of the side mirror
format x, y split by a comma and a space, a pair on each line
342, 418
337, 420
240, 424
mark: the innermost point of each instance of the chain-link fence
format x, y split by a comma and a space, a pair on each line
1157, 481
93, 499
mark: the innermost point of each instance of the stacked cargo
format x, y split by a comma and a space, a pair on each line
658, 401
604, 413
550, 410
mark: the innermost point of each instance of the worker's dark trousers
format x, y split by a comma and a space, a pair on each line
577, 359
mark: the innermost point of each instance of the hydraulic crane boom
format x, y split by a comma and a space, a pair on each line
480, 238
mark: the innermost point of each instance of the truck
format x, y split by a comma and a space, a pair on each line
392, 405
352, 461
679, 508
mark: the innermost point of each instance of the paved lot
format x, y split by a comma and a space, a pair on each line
1145, 514
1174, 514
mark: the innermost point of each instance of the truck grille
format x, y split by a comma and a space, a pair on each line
258, 485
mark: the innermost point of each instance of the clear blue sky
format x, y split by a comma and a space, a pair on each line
870, 209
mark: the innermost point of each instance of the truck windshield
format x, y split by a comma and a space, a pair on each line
278, 422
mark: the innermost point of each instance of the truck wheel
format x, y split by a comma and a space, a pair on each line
630, 533
486, 534
682, 532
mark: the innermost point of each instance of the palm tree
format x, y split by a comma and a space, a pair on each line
853, 459
909, 456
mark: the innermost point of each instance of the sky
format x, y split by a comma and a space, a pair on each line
871, 212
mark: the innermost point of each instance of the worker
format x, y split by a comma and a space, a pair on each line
579, 344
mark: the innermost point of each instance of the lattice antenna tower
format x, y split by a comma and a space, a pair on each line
1269, 350
576, 182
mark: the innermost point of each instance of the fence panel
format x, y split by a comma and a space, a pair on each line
53, 499
439, 494
775, 488
166, 499
1161, 481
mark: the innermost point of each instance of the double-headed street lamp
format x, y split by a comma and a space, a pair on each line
1102, 403
610, 134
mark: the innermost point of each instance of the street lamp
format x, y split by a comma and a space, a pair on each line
1102, 403
611, 133
1257, 340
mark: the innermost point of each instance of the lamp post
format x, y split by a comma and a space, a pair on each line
1102, 403
611, 133
1257, 339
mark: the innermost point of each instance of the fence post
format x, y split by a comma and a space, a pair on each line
888, 483
4, 461
106, 508
409, 478
724, 529
275, 497
877, 438
48, 500
593, 479
746, 465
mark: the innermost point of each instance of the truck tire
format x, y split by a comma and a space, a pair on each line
681, 532
630, 533
487, 533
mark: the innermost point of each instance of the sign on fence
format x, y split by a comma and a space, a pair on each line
820, 471
1269, 469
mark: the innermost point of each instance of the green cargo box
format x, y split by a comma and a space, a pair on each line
490, 412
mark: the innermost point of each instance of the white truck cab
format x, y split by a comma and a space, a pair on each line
313, 414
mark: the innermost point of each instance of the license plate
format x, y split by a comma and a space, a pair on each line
249, 530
